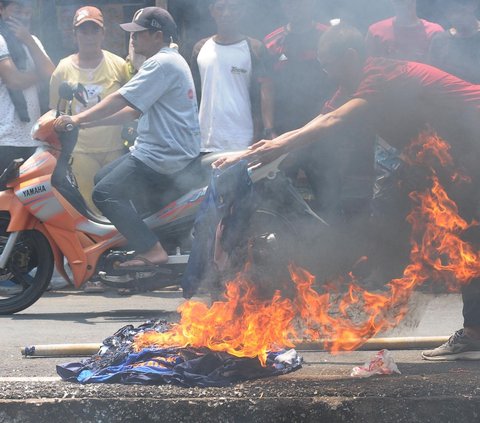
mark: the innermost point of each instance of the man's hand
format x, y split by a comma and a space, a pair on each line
62, 122
229, 160
19, 28
262, 152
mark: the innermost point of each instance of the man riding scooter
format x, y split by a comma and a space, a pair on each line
162, 96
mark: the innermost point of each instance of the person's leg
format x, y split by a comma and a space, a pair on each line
104, 171
113, 194
471, 309
84, 167
464, 344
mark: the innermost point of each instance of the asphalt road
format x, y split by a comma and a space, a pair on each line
321, 391
70, 316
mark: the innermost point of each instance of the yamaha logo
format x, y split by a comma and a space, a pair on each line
34, 191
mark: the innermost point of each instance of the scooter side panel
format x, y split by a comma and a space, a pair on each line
71, 247
186, 205
40, 163
38, 197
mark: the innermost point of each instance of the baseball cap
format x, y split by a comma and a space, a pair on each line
153, 18
88, 14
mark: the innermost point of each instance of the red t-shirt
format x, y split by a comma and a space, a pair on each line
388, 39
405, 97
301, 87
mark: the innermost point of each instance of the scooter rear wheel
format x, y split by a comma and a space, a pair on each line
28, 271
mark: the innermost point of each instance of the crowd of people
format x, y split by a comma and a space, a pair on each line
324, 92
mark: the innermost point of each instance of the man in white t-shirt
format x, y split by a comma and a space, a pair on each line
23, 64
234, 93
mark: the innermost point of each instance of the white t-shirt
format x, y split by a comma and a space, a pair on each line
225, 109
14, 132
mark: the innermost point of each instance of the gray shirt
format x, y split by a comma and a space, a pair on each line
168, 130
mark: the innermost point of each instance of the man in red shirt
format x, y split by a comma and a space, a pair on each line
395, 100
404, 36
300, 87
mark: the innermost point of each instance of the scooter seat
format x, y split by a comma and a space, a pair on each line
196, 175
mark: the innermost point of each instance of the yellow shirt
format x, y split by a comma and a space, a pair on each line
105, 79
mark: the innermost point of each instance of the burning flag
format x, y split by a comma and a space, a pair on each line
245, 326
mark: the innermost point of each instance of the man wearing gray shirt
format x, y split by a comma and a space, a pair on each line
162, 96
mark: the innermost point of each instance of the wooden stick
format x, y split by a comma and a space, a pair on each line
61, 350
373, 344
401, 343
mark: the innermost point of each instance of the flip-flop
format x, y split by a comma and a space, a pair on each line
148, 265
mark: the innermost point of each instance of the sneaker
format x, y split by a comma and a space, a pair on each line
458, 347
10, 288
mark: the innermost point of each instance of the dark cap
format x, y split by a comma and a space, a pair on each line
153, 18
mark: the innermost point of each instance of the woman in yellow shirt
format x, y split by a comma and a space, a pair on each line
101, 73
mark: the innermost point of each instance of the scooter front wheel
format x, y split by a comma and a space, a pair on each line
28, 271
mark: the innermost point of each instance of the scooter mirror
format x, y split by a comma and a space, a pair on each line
65, 91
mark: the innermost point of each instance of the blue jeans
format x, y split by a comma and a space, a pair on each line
122, 184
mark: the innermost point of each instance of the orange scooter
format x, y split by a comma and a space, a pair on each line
44, 219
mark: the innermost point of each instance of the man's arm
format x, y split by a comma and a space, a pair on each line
267, 106
354, 112
13, 78
109, 106
127, 114
196, 70
43, 64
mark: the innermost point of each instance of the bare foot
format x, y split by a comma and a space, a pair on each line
155, 256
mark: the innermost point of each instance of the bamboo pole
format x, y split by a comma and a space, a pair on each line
373, 344
401, 343
61, 350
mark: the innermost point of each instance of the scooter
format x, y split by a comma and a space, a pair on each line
44, 220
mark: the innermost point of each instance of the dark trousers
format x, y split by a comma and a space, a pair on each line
471, 304
9, 153
122, 184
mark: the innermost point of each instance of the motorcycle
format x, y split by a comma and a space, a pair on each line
44, 221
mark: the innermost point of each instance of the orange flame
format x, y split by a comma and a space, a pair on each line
245, 326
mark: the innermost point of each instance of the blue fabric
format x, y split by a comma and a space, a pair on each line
167, 366
229, 196
116, 362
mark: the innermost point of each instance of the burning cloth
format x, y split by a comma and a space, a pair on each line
118, 362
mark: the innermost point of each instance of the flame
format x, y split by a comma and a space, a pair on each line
245, 326
241, 325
